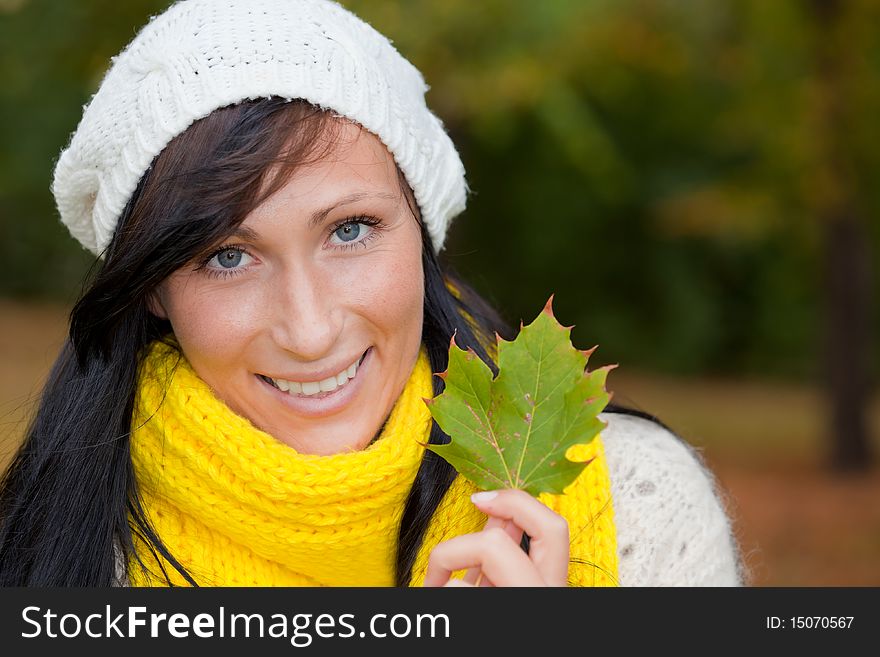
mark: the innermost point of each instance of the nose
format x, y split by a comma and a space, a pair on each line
306, 318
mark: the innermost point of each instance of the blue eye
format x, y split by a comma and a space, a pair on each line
356, 232
229, 258
349, 231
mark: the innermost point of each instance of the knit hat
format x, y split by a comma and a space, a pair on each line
201, 55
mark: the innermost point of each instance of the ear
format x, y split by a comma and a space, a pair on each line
154, 303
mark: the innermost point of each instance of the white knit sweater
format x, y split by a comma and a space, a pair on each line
672, 529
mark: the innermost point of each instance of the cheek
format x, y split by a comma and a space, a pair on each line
391, 293
208, 322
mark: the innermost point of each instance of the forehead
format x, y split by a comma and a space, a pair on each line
353, 166
348, 160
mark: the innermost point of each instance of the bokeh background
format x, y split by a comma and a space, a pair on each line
696, 182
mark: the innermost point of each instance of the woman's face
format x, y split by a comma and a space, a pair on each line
321, 282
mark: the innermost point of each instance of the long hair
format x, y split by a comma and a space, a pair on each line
70, 511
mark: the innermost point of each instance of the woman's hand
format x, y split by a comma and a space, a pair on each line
494, 557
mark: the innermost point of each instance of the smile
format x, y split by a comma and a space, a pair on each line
316, 388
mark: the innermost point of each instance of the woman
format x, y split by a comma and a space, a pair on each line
240, 401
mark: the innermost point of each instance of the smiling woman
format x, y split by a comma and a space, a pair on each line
241, 397
321, 283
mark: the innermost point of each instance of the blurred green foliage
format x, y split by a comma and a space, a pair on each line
653, 163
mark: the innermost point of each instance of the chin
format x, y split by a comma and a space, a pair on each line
322, 446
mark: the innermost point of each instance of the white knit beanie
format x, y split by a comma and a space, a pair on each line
200, 55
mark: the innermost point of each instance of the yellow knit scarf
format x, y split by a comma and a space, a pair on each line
238, 508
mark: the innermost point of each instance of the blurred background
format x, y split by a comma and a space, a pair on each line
697, 183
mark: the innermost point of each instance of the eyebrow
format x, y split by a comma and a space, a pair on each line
244, 233
319, 216
248, 234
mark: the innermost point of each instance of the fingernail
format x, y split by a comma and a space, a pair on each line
484, 496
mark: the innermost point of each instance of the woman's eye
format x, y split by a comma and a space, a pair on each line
229, 259
356, 232
349, 232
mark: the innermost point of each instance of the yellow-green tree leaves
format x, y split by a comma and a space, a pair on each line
513, 431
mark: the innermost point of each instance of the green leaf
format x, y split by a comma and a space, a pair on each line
513, 431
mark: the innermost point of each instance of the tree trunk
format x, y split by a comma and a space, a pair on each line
847, 335
847, 261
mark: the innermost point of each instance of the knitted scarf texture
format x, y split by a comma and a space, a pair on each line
236, 507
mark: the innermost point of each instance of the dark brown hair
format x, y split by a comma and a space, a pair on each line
71, 513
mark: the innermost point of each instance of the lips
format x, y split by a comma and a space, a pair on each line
324, 403
316, 389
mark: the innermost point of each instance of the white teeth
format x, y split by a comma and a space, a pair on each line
314, 387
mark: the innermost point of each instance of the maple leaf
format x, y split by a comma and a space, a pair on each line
513, 431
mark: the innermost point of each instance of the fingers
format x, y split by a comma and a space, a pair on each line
508, 526
493, 557
474, 575
492, 551
548, 531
